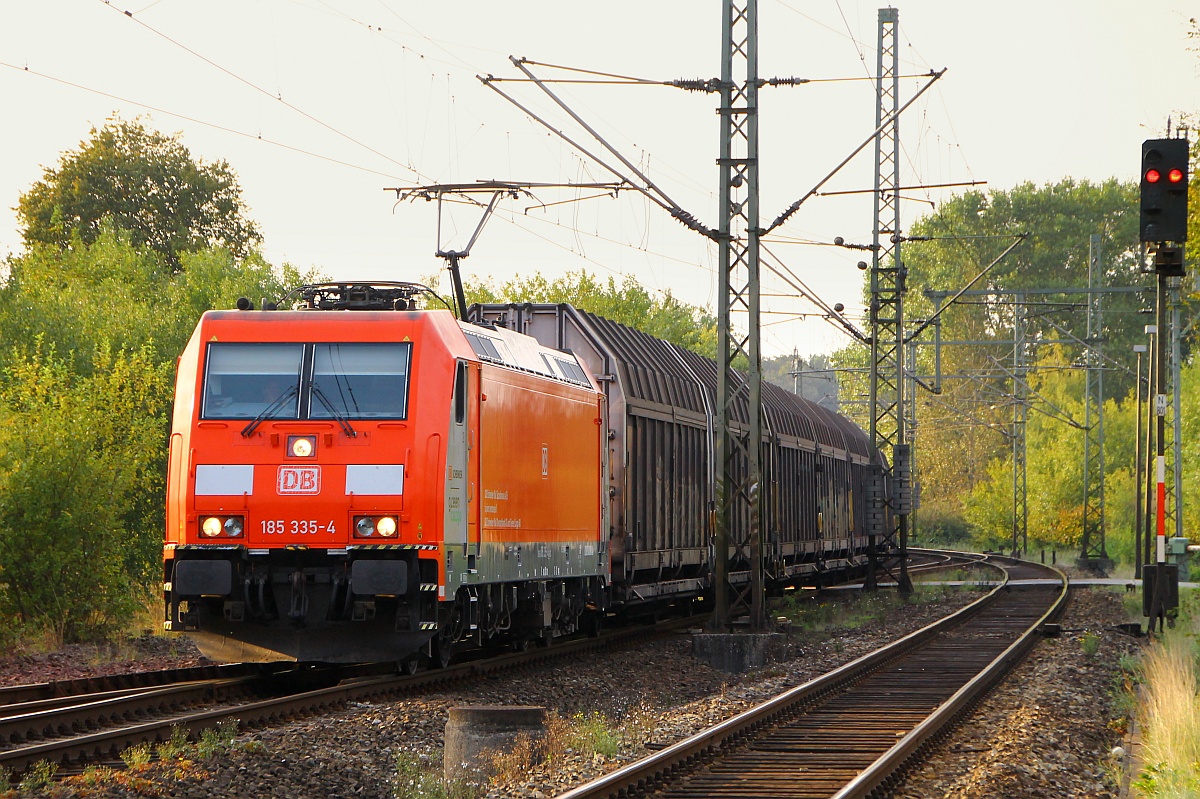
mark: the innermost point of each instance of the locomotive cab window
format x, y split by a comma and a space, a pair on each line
360, 381
331, 381
242, 381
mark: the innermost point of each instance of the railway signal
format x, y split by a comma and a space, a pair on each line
1164, 183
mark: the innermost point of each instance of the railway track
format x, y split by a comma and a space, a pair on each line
852, 732
76, 721
41, 723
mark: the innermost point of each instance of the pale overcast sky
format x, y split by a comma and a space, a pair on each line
321, 104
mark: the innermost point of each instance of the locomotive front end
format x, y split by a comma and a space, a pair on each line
305, 494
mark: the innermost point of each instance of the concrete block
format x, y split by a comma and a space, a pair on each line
737, 652
474, 734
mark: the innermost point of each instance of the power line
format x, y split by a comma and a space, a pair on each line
260, 90
198, 121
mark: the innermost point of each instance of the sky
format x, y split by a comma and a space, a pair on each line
320, 106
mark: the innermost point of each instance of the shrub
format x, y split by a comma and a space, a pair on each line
79, 461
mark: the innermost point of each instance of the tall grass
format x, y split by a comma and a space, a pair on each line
1170, 712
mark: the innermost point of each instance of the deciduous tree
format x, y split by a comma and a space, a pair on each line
146, 183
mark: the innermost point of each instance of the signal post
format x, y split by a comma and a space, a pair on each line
1163, 231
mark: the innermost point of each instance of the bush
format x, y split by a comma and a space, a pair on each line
80, 490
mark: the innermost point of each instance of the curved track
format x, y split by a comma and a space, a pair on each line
847, 733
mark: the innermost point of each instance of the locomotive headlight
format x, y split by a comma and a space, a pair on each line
302, 446
233, 526
386, 527
364, 527
211, 527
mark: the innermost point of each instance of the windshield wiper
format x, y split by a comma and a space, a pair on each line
342, 418
269, 411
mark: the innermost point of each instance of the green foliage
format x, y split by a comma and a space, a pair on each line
176, 746
80, 460
1089, 643
115, 291
628, 303
966, 471
136, 757
419, 777
91, 335
143, 182
39, 777
217, 740
589, 734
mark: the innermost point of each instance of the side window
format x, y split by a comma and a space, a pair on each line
460, 393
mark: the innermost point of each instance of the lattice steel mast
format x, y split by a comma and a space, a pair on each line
739, 496
1093, 553
1020, 427
888, 531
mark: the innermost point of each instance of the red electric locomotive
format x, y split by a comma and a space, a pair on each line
352, 479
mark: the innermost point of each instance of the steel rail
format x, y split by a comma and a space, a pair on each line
670, 764
881, 773
108, 743
19, 694
51, 717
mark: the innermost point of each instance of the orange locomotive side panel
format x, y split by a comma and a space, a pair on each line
540, 472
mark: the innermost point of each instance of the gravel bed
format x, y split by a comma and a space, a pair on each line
146, 653
649, 694
1048, 730
653, 694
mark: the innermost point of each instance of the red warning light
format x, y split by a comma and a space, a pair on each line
1153, 176
1175, 175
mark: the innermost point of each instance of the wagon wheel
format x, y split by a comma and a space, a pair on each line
409, 665
591, 622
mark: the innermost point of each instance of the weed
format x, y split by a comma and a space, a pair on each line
39, 777
1171, 718
511, 766
1131, 668
96, 776
420, 777
175, 746
639, 725
136, 757
254, 747
5, 777
579, 734
214, 741
1090, 644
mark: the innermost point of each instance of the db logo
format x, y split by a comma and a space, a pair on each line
299, 480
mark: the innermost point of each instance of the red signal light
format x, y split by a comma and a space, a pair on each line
1175, 175
1153, 175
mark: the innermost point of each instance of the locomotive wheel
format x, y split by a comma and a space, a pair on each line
408, 666
449, 629
443, 650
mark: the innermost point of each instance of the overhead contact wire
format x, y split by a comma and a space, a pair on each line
186, 118
261, 90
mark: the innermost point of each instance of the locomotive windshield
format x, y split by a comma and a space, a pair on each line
306, 381
360, 381
244, 380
